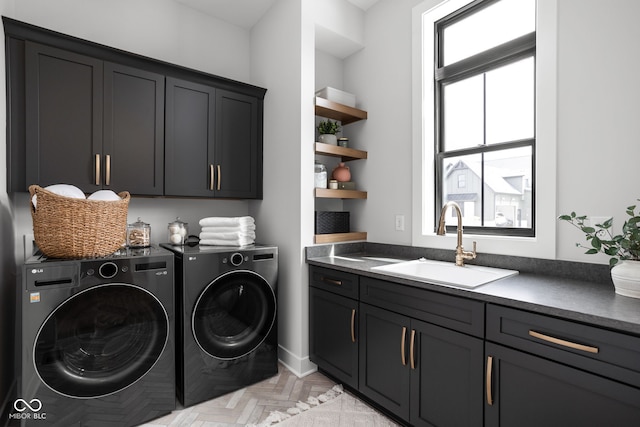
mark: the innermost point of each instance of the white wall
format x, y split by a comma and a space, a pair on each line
283, 62
598, 110
380, 76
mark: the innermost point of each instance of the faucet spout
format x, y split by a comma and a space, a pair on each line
461, 254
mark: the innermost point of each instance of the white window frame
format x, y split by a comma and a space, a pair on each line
543, 245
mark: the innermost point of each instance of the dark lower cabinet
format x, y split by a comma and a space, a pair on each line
333, 343
446, 378
528, 391
423, 373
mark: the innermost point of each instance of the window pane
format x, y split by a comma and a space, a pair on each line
508, 188
464, 113
506, 19
467, 169
506, 191
510, 102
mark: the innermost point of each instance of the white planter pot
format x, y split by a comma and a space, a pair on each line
626, 278
328, 139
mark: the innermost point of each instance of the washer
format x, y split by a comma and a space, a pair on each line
97, 340
226, 328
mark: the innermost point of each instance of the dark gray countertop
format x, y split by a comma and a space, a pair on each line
575, 291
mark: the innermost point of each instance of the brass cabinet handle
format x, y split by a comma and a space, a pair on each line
353, 325
411, 349
219, 177
575, 346
97, 169
211, 175
404, 335
488, 380
332, 281
107, 163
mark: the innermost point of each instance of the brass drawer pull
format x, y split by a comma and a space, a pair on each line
404, 335
411, 349
107, 161
488, 380
211, 175
219, 177
97, 169
573, 345
353, 325
331, 281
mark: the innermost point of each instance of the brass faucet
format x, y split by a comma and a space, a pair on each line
461, 255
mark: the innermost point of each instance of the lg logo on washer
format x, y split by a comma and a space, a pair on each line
21, 406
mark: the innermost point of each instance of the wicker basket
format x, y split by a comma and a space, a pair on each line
64, 227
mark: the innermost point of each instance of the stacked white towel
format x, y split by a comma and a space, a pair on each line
228, 231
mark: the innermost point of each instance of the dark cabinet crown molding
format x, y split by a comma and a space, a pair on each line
23, 31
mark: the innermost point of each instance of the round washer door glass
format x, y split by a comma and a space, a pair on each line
234, 314
101, 340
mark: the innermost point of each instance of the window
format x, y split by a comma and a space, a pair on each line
484, 80
464, 122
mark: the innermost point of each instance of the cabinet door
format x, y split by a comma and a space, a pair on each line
446, 377
238, 152
63, 117
333, 337
526, 390
189, 139
133, 154
384, 359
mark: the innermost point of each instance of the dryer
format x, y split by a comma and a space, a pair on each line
96, 340
226, 328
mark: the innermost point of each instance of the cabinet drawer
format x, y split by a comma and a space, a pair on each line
335, 281
452, 312
612, 354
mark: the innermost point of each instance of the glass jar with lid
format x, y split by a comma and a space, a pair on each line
320, 174
138, 234
178, 232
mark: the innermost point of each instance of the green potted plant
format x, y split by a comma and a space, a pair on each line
327, 132
623, 249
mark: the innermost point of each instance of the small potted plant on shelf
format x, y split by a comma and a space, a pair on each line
623, 249
327, 132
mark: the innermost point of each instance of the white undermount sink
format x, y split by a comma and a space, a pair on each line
446, 273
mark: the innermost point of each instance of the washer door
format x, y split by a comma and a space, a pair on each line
101, 340
234, 314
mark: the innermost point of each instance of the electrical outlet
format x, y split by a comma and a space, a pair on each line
599, 220
399, 222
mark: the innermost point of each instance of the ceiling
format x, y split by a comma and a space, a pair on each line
245, 13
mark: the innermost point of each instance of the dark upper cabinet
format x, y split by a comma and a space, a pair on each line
63, 101
93, 116
93, 124
238, 151
133, 138
190, 168
213, 142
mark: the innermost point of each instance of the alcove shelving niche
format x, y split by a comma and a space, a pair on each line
345, 115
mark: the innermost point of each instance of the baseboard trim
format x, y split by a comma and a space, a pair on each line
301, 367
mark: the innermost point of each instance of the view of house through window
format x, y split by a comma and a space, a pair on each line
485, 115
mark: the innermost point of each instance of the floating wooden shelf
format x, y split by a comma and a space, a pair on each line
341, 112
339, 237
344, 153
327, 193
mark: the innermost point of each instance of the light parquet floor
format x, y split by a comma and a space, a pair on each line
249, 405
